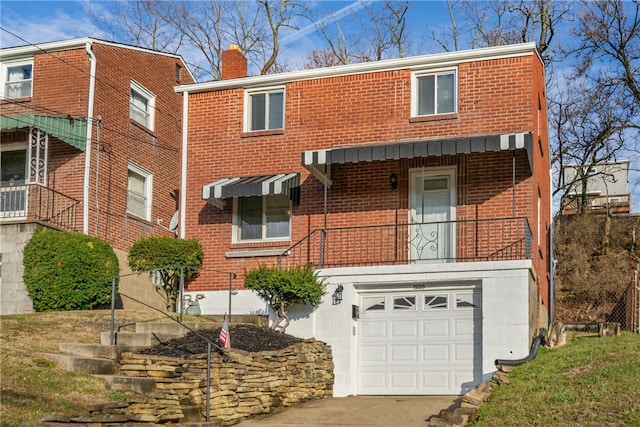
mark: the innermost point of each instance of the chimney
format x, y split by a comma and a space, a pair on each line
234, 63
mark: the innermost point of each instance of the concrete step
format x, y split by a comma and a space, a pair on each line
134, 384
86, 365
138, 339
175, 328
98, 350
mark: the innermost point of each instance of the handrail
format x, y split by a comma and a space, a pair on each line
405, 243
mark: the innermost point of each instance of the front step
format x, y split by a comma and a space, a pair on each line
86, 365
137, 339
99, 350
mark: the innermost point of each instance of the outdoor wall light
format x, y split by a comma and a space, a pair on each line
393, 180
337, 295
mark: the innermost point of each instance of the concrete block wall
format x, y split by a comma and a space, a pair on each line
14, 297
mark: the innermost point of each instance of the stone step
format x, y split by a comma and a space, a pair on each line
86, 365
138, 339
98, 350
134, 384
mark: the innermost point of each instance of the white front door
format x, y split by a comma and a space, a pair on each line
420, 342
432, 208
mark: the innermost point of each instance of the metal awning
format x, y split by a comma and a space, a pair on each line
286, 184
73, 131
318, 162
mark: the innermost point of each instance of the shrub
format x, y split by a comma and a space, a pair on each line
167, 256
281, 288
68, 271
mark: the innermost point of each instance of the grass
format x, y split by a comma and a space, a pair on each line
31, 385
591, 381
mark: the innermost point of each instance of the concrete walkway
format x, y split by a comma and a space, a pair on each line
389, 411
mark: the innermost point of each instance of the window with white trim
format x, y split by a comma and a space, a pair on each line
264, 109
139, 187
435, 93
141, 105
262, 218
17, 79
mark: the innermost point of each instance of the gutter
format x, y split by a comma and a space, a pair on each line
87, 158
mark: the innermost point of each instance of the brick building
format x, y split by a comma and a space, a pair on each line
417, 188
91, 136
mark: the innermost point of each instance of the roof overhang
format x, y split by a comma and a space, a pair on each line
318, 162
73, 131
263, 185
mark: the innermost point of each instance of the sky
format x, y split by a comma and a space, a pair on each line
26, 22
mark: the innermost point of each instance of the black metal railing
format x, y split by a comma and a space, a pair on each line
496, 239
34, 202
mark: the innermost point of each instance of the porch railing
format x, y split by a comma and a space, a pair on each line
34, 202
495, 239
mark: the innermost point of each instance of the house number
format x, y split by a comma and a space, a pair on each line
420, 286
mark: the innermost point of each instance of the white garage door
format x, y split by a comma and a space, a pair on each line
419, 342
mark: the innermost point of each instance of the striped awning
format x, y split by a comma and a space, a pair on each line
73, 131
317, 161
286, 184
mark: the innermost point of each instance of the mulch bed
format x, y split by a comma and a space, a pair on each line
243, 336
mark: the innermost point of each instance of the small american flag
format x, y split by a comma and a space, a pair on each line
224, 337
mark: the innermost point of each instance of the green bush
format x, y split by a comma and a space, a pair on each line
281, 288
167, 256
68, 271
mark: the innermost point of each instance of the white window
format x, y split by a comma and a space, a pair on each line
17, 79
262, 218
264, 109
139, 185
141, 105
434, 93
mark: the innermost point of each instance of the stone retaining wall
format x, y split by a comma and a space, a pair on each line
249, 384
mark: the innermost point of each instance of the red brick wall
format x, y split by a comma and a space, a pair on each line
495, 97
61, 87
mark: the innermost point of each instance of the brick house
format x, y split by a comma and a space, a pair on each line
91, 135
417, 188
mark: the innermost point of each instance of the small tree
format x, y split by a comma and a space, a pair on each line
167, 257
281, 288
68, 271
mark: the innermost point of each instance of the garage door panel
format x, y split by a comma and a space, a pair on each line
403, 380
435, 353
434, 379
404, 329
463, 353
404, 353
373, 354
435, 328
373, 381
373, 329
463, 327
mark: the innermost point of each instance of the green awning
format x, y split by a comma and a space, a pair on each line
73, 131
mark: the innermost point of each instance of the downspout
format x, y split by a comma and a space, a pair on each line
532, 354
552, 259
87, 152
183, 181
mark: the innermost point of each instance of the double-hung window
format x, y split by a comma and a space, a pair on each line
17, 79
264, 109
141, 105
262, 218
139, 188
435, 93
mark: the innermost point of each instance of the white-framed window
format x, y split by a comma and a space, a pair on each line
13, 183
17, 79
434, 93
139, 190
262, 218
264, 109
141, 105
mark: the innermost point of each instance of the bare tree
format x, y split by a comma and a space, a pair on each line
201, 30
381, 33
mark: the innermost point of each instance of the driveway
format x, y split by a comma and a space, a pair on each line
390, 411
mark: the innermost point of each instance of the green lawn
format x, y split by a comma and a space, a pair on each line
590, 381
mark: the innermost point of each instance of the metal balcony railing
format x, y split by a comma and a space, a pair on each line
497, 239
34, 202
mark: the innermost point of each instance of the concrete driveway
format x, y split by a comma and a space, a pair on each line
390, 411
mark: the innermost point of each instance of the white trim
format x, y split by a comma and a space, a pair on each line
151, 104
4, 66
148, 188
450, 59
235, 237
246, 116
